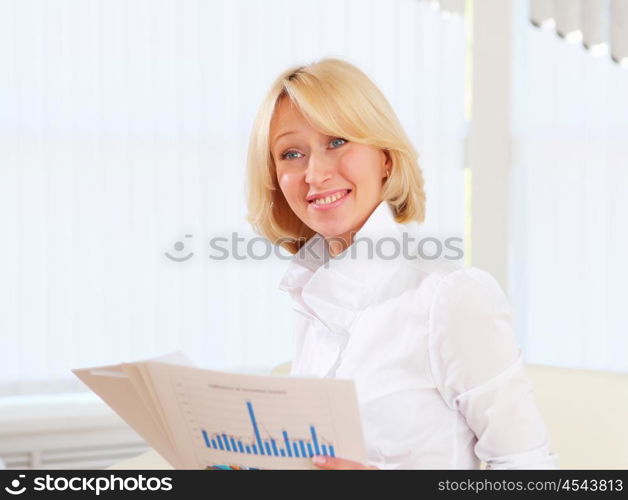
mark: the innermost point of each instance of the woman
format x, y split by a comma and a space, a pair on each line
333, 178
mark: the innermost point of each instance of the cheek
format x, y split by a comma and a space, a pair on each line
291, 183
361, 168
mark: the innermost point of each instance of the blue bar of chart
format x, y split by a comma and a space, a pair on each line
283, 446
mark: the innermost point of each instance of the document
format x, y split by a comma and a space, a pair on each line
205, 419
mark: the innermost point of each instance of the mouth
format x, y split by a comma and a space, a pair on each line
329, 200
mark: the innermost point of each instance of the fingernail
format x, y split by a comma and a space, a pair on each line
319, 460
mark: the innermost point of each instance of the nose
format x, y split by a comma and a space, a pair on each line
319, 168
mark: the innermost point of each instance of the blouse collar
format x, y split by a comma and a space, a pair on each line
335, 289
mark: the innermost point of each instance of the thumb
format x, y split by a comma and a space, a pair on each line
334, 463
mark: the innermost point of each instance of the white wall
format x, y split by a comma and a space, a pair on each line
123, 127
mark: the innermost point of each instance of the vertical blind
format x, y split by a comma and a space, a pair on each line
570, 243
123, 134
601, 25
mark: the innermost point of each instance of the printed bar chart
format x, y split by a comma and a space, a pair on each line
272, 447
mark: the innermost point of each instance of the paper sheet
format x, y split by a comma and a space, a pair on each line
258, 421
129, 399
198, 418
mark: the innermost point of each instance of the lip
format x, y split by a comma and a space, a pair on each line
334, 204
325, 194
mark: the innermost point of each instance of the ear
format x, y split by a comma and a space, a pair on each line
388, 158
387, 165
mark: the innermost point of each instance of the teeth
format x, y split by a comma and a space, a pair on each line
329, 199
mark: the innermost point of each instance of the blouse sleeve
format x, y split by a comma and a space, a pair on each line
479, 370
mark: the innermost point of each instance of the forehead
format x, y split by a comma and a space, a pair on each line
287, 117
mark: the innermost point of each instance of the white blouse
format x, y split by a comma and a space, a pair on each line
440, 377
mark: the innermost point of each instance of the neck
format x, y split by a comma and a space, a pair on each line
338, 244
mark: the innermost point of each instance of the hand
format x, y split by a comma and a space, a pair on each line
332, 463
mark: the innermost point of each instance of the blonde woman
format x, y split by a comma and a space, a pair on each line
333, 178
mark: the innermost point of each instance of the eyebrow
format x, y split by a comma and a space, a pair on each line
281, 135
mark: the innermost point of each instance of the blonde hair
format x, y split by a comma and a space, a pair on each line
339, 100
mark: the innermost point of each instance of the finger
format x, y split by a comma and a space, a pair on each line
333, 463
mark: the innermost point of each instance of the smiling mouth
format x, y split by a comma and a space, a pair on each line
328, 200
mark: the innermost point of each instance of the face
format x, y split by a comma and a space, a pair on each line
331, 184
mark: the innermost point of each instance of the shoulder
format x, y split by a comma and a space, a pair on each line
471, 333
468, 285
465, 298
450, 280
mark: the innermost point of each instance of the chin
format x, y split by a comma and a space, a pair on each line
328, 224
331, 230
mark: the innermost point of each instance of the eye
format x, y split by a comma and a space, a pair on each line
333, 141
286, 155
